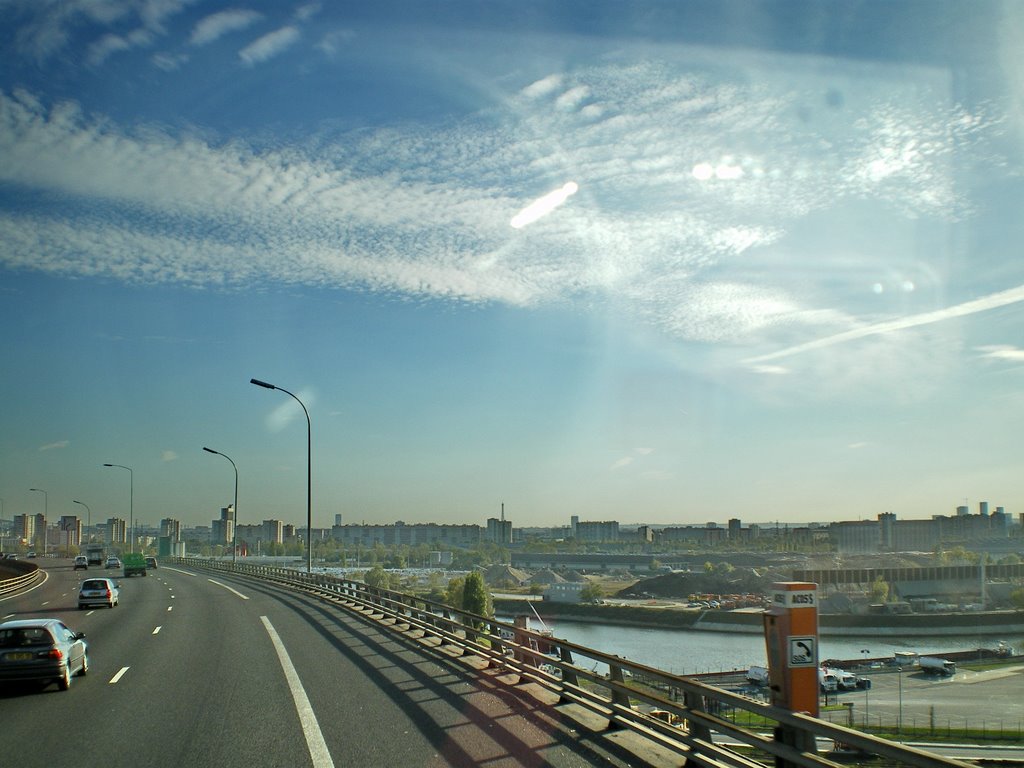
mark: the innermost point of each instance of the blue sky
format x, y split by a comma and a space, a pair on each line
653, 262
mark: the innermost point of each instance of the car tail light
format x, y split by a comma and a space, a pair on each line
108, 593
55, 653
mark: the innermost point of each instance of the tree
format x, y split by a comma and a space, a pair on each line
592, 592
475, 597
1017, 598
377, 577
454, 591
879, 592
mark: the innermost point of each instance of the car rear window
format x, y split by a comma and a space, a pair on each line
13, 638
94, 584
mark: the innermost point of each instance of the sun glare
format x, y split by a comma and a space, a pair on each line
544, 205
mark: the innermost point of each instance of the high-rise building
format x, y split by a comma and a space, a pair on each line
499, 531
170, 528
70, 531
596, 530
116, 531
222, 531
24, 527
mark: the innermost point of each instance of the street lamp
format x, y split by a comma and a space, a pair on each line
46, 513
131, 502
899, 720
88, 525
234, 527
867, 687
309, 472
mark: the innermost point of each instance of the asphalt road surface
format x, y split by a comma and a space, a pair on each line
196, 669
992, 699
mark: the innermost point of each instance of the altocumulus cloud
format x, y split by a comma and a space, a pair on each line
269, 46
419, 213
219, 24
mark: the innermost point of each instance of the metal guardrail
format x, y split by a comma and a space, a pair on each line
789, 739
13, 584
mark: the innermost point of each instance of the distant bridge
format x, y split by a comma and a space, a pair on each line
843, 576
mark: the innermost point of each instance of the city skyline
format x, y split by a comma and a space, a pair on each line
630, 267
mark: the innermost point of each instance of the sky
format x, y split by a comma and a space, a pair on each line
654, 262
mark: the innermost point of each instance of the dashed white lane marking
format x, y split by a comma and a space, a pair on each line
119, 675
156, 631
229, 589
170, 607
318, 751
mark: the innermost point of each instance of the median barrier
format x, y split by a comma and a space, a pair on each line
16, 575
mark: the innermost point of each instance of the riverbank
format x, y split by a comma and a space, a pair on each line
995, 623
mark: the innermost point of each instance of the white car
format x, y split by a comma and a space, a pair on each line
98, 592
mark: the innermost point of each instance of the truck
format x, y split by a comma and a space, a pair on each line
95, 553
757, 675
845, 680
936, 666
827, 681
134, 563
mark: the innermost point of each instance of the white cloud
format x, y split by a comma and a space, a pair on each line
307, 11
288, 410
625, 461
169, 62
1002, 352
269, 46
49, 26
426, 214
105, 47
168, 456
982, 304
219, 24
55, 446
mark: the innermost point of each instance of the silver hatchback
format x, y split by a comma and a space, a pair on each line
98, 592
41, 649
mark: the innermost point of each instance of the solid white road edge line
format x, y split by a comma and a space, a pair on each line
229, 589
318, 752
118, 676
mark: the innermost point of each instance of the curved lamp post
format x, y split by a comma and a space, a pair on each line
89, 512
234, 527
46, 513
309, 472
131, 502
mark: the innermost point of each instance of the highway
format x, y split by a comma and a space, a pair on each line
197, 670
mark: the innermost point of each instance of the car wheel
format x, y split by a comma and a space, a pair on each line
65, 680
80, 606
85, 665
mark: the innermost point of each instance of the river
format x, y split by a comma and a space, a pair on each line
689, 652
